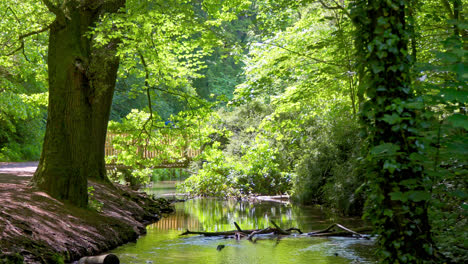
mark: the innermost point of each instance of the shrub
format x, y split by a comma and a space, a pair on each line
327, 173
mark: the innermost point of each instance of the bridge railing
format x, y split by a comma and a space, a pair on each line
146, 151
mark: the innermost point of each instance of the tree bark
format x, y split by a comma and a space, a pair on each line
81, 85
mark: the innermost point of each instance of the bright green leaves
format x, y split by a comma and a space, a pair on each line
220, 11
415, 196
144, 143
171, 37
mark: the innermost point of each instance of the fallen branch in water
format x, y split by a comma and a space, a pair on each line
258, 232
240, 233
331, 231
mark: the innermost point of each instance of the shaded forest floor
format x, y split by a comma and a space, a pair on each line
36, 228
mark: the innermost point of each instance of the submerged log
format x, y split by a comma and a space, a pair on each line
102, 259
222, 233
279, 230
239, 233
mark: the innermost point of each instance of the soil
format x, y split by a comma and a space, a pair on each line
36, 228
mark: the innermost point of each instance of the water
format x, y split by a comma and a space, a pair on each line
163, 243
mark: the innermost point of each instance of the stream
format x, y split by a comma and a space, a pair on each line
162, 243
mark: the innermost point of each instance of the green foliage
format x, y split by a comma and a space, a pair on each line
291, 126
138, 134
22, 80
445, 135
238, 161
327, 173
21, 119
413, 119
92, 202
287, 100
11, 258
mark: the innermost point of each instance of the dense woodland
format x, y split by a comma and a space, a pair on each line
359, 106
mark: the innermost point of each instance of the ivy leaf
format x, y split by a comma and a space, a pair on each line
392, 119
418, 196
398, 196
385, 149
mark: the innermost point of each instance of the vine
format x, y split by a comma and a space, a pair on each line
397, 204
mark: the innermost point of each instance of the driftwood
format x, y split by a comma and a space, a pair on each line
239, 233
102, 259
331, 231
258, 232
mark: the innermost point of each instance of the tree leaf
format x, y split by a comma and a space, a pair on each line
459, 120
385, 149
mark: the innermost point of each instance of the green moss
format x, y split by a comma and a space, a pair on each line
11, 258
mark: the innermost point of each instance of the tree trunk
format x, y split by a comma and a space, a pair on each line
81, 85
398, 200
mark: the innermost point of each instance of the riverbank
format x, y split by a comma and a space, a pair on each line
36, 228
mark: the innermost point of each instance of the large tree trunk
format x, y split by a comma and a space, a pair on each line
81, 85
397, 203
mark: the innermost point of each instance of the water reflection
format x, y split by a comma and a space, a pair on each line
163, 244
219, 215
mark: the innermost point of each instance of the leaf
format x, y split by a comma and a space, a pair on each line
385, 149
459, 120
418, 196
460, 194
398, 196
454, 95
392, 119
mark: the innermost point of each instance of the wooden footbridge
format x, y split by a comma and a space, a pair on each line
179, 157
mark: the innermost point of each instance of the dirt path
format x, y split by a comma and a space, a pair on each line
36, 228
17, 172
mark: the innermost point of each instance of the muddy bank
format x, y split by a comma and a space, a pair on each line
35, 228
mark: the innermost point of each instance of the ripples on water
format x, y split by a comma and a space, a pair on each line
162, 244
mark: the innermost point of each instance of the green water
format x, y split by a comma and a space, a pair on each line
163, 243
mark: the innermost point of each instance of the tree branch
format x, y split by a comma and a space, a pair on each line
60, 15
302, 54
22, 37
448, 8
148, 95
336, 7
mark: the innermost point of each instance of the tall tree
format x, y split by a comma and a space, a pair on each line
88, 40
81, 84
398, 200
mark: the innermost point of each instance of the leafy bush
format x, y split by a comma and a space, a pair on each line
141, 132
22, 128
239, 161
327, 174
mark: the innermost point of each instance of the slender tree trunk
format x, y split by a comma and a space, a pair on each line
81, 85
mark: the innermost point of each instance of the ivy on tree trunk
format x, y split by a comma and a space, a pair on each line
81, 84
398, 199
